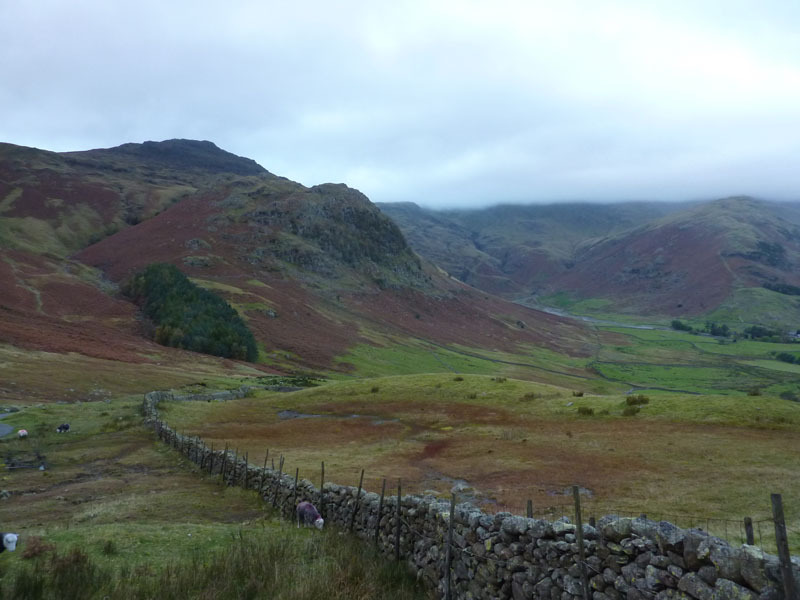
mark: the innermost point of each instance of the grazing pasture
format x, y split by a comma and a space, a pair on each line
117, 514
687, 458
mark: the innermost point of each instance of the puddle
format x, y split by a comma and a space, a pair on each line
285, 415
293, 414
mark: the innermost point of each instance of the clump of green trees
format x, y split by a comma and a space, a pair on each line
788, 357
188, 316
710, 328
754, 332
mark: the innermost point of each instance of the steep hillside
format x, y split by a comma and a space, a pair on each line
510, 249
642, 258
315, 272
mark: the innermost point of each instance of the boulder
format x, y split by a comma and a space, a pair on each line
725, 589
696, 587
515, 526
727, 560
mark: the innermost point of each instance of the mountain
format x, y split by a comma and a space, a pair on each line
316, 272
669, 259
511, 249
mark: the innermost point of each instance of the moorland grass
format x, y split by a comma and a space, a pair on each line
693, 457
31, 376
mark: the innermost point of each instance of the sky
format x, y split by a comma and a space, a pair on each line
444, 103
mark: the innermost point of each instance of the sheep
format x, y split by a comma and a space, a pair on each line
9, 542
22, 433
63, 428
307, 514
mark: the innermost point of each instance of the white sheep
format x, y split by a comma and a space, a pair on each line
9, 542
22, 433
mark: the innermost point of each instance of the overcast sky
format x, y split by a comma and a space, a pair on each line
444, 103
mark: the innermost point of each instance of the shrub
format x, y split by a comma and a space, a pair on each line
459, 378
787, 357
585, 411
680, 326
630, 411
375, 389
499, 379
578, 394
36, 546
790, 396
472, 396
757, 332
109, 548
530, 396
637, 400
754, 391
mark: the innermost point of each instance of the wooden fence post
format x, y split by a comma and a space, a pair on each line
211, 457
530, 508
261, 478
397, 530
294, 495
246, 468
321, 492
748, 531
579, 532
448, 561
277, 484
224, 463
782, 541
355, 505
380, 512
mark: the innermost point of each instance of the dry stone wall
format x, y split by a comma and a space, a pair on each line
503, 556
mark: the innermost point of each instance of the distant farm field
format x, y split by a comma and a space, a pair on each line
696, 460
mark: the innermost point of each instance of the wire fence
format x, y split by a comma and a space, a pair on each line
559, 505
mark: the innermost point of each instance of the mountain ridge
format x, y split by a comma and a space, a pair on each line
680, 259
315, 272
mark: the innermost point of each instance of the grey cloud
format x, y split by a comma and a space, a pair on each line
438, 102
